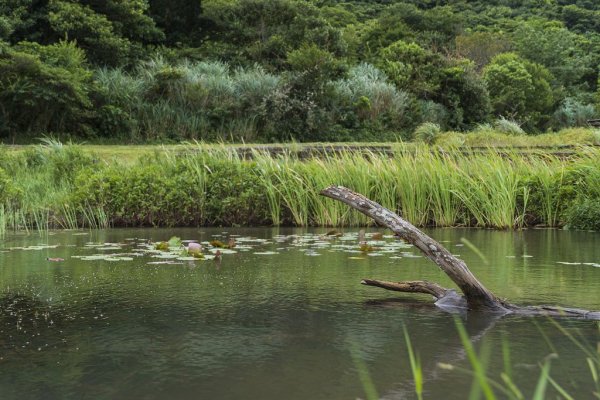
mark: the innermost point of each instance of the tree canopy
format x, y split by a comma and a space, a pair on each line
458, 63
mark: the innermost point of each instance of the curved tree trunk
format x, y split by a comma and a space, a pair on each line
477, 296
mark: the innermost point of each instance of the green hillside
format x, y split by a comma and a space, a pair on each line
138, 71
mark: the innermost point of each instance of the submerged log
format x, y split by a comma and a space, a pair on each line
475, 297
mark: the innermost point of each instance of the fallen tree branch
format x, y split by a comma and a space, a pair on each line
477, 296
409, 286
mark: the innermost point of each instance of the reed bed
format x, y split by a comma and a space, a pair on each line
61, 186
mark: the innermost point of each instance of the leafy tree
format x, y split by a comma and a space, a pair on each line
481, 47
431, 76
555, 47
411, 67
111, 32
464, 94
519, 89
44, 89
180, 20
580, 19
266, 30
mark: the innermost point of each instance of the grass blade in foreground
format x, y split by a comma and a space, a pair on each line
363, 373
415, 366
473, 359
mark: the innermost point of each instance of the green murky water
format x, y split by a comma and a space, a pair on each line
277, 318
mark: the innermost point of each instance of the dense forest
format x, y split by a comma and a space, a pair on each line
306, 70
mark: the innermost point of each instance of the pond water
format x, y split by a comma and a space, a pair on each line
284, 317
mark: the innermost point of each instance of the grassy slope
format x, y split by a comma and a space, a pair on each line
569, 137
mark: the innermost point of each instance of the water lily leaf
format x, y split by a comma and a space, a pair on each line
175, 242
165, 255
164, 263
162, 246
217, 243
93, 258
37, 247
223, 251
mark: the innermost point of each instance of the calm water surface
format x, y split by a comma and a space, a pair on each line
279, 326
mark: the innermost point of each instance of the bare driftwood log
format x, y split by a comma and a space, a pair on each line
476, 296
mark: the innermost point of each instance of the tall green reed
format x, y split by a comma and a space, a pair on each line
424, 185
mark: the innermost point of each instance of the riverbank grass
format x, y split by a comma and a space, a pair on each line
68, 186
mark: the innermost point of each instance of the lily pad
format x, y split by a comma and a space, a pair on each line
166, 255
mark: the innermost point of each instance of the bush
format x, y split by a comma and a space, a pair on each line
366, 100
160, 193
431, 111
44, 89
584, 214
10, 194
427, 132
234, 195
143, 195
60, 162
520, 88
573, 113
508, 127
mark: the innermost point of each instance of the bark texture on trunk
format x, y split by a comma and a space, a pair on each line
477, 296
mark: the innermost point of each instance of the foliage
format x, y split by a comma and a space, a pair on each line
10, 194
163, 71
481, 47
146, 195
573, 113
180, 20
584, 214
565, 54
266, 30
366, 99
427, 132
43, 89
57, 185
519, 88
508, 127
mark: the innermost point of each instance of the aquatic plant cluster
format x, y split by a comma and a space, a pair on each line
65, 186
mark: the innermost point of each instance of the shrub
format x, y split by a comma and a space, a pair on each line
10, 194
60, 162
143, 195
508, 127
367, 100
234, 195
584, 214
519, 87
431, 111
427, 132
161, 193
44, 89
573, 113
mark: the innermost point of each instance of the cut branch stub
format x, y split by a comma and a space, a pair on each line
478, 296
